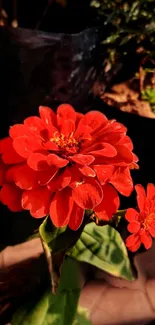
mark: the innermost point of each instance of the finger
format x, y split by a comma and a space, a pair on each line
19, 253
113, 306
150, 292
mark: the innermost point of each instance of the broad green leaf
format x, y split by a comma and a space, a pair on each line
49, 232
103, 247
33, 312
58, 239
59, 309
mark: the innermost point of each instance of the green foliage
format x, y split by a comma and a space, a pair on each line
127, 21
58, 239
56, 242
59, 309
103, 247
148, 94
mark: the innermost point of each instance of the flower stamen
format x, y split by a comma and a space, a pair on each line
68, 144
148, 221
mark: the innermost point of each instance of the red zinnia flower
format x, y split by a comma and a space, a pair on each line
61, 164
142, 222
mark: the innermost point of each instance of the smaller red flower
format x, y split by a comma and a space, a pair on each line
142, 222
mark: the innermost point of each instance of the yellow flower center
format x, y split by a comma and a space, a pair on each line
147, 223
68, 144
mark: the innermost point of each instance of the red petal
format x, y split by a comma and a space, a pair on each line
49, 145
49, 118
5, 143
141, 195
89, 146
112, 132
66, 112
94, 119
18, 130
107, 151
2, 172
9, 155
9, 174
67, 127
37, 201
125, 140
150, 191
133, 165
87, 171
88, 195
124, 155
26, 145
25, 177
38, 161
61, 207
131, 215
122, 181
76, 176
152, 231
78, 117
135, 158
82, 159
42, 162
44, 177
54, 160
132, 240
109, 135
60, 181
76, 217
10, 195
133, 243
103, 172
146, 240
34, 124
134, 227
109, 204
83, 132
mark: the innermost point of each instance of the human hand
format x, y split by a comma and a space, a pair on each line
110, 301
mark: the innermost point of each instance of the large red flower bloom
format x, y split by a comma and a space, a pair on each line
61, 164
142, 222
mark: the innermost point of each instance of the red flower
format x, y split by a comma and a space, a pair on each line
142, 222
67, 162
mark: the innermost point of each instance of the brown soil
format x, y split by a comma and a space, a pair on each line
125, 96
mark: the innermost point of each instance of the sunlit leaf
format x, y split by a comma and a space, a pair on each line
103, 247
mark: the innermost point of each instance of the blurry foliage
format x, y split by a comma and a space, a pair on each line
126, 22
149, 95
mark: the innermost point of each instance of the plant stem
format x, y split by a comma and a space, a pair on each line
54, 278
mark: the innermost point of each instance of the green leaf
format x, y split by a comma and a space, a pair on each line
32, 312
103, 247
58, 239
49, 232
59, 309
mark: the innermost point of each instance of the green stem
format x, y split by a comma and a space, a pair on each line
120, 213
54, 278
